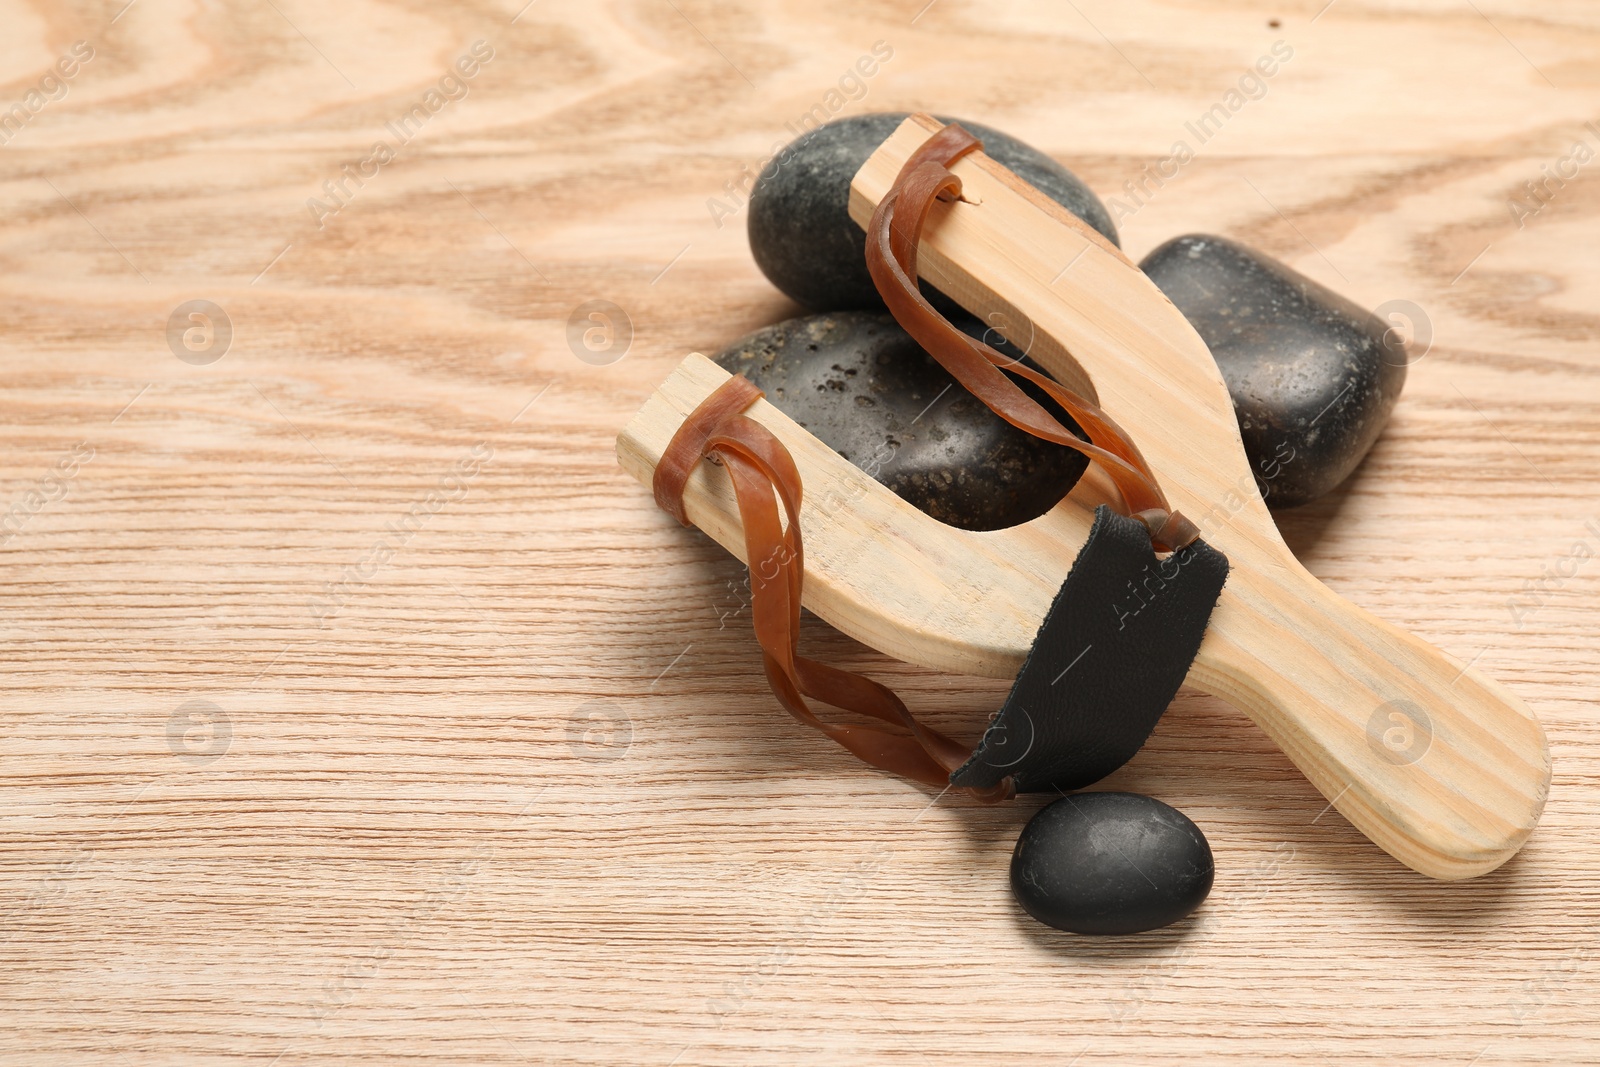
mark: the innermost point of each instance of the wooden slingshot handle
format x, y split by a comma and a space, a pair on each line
1443, 768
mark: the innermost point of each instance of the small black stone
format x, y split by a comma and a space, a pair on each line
1110, 863
1313, 375
864, 387
799, 221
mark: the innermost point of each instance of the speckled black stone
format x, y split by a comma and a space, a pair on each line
799, 216
865, 388
1110, 863
1314, 376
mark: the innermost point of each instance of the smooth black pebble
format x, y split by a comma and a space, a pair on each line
1110, 863
1313, 375
799, 217
864, 387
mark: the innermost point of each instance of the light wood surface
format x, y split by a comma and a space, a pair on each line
516, 793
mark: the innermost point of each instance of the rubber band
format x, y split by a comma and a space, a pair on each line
764, 475
892, 239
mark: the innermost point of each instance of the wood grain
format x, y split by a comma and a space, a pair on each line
521, 796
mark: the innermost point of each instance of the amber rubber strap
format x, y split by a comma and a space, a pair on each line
764, 474
892, 239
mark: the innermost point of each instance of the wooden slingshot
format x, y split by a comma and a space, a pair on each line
1443, 768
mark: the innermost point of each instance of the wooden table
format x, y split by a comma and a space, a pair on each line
357, 709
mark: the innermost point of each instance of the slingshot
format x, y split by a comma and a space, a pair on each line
1334, 687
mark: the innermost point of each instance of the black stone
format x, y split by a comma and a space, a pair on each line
864, 387
1110, 863
1313, 375
799, 217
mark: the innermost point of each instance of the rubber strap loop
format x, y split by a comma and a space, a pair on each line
764, 474
892, 239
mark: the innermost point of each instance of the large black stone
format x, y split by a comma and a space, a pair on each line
864, 387
1110, 863
1313, 375
799, 216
